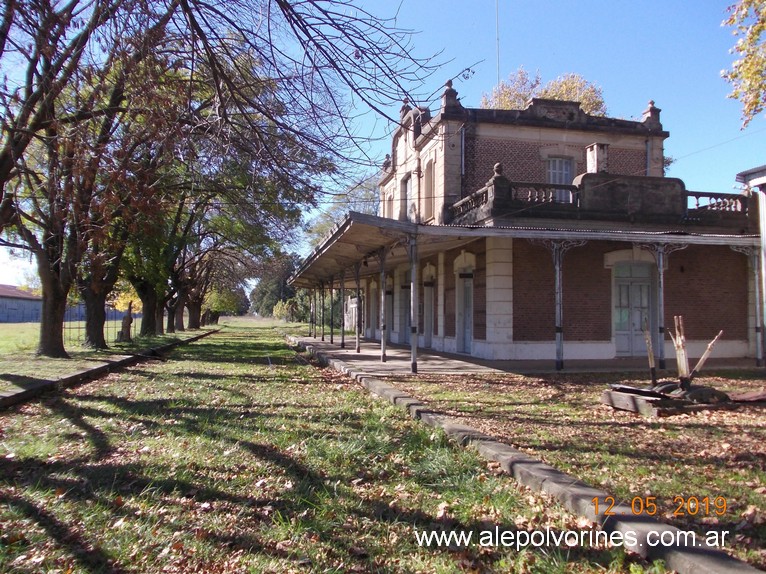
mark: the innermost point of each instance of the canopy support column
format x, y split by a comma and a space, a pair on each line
414, 304
382, 258
357, 271
661, 252
332, 309
321, 313
558, 248
343, 309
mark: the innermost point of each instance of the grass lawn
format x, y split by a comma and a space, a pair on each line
716, 458
19, 364
235, 455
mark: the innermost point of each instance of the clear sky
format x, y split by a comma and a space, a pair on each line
669, 51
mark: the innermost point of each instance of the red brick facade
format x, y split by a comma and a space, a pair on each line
708, 286
524, 161
698, 281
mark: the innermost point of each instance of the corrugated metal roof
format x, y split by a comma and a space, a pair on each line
13, 292
360, 238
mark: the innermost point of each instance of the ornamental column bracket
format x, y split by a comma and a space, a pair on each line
660, 251
558, 247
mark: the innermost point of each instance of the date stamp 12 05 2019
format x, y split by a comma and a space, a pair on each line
682, 505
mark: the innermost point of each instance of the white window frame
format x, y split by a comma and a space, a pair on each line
560, 169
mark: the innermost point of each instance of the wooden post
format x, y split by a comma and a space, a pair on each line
650, 351
705, 355
679, 343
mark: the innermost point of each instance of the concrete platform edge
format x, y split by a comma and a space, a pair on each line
23, 395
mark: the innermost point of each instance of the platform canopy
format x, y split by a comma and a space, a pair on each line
361, 238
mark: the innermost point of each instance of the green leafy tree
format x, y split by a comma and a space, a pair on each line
363, 197
272, 284
748, 72
515, 93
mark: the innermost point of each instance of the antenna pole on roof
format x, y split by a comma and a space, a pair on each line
497, 36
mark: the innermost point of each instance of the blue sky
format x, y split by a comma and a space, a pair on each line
669, 51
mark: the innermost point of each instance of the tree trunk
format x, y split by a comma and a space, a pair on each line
159, 311
170, 326
95, 317
52, 319
179, 318
195, 314
148, 295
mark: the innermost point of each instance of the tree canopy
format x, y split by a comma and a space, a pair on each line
748, 72
364, 197
515, 92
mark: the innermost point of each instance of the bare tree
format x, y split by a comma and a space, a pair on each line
272, 82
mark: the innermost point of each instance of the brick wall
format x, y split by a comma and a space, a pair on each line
709, 287
587, 292
626, 161
522, 161
533, 293
587, 289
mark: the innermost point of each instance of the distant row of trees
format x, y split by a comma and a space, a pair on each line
174, 144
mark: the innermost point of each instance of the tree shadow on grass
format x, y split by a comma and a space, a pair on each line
89, 555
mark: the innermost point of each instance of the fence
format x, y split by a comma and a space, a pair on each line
74, 324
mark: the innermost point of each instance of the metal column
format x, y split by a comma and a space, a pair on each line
382, 259
357, 271
558, 248
321, 311
414, 304
332, 308
343, 309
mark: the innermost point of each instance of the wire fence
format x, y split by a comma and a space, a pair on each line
74, 324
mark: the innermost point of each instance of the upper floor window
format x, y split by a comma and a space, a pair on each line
406, 201
560, 170
428, 193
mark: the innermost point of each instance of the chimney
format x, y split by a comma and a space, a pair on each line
597, 158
